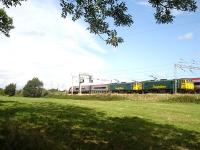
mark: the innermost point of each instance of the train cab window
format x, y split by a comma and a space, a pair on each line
183, 81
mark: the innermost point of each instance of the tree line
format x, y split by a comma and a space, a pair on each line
33, 88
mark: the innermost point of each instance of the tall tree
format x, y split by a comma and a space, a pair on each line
10, 89
97, 14
33, 88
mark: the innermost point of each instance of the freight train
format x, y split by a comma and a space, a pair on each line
184, 85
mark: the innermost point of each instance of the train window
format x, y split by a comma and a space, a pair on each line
197, 83
99, 88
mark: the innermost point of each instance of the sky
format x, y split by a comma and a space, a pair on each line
47, 46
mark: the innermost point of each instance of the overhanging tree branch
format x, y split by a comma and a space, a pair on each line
104, 16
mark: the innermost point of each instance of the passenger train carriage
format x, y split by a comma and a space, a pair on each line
84, 89
102, 88
196, 85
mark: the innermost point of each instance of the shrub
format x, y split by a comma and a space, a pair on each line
19, 93
44, 92
10, 89
33, 88
2, 91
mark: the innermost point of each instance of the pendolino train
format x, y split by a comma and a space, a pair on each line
184, 85
196, 85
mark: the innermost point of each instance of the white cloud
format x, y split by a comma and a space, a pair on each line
187, 36
46, 46
143, 3
177, 12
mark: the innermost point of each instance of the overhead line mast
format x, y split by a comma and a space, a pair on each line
82, 77
183, 66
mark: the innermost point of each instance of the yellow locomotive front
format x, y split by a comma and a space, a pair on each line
137, 86
186, 85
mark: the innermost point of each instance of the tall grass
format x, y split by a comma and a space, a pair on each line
182, 98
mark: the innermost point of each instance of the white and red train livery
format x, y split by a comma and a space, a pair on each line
196, 84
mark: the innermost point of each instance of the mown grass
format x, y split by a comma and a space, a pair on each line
44, 123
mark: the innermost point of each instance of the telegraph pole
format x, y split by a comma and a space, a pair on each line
72, 92
175, 80
80, 92
72, 88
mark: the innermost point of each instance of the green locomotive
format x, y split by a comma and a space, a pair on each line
168, 86
131, 87
153, 86
158, 86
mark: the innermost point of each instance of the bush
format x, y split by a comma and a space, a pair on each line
19, 93
33, 88
10, 89
2, 91
44, 92
53, 90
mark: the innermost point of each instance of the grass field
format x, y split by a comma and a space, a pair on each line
47, 123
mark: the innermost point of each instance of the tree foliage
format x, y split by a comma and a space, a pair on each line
33, 88
2, 91
10, 89
164, 8
96, 13
99, 14
6, 22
